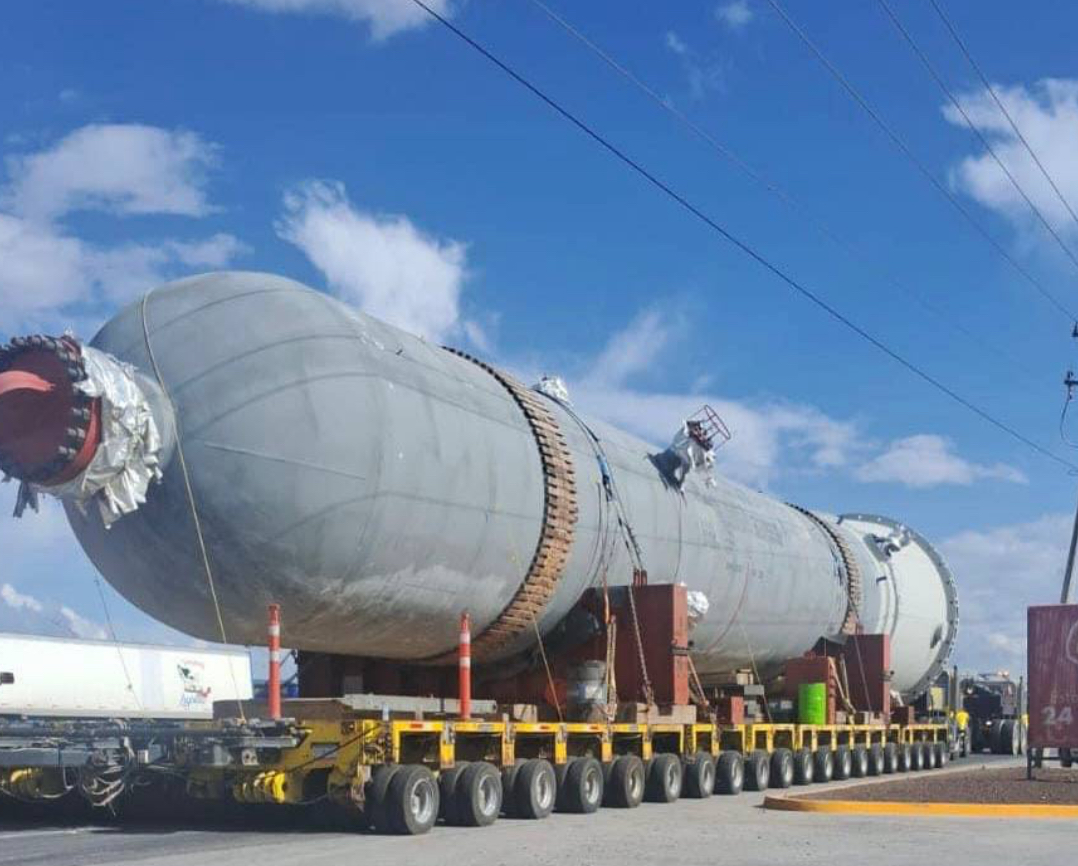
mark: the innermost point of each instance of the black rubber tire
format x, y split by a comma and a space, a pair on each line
843, 764
561, 771
930, 756
782, 768
698, 777
875, 759
729, 773
905, 758
890, 758
509, 788
917, 757
859, 762
583, 787
535, 789
624, 787
1066, 758
757, 771
995, 737
804, 767
942, 754
1037, 755
376, 795
608, 770
1008, 737
447, 790
479, 795
663, 779
823, 765
412, 801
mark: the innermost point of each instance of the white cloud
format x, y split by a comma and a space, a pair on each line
82, 627
45, 578
382, 263
212, 252
122, 272
18, 601
49, 277
674, 43
634, 349
734, 15
40, 269
28, 615
121, 168
1047, 115
704, 73
999, 572
927, 460
384, 17
769, 436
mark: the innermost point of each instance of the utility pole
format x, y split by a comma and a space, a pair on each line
1068, 576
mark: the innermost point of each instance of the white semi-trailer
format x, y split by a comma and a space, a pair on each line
92, 678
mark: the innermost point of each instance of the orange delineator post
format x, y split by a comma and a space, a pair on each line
465, 666
273, 687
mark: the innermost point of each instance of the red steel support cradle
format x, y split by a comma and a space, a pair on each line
273, 687
465, 666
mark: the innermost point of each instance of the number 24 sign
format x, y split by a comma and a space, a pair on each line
1053, 675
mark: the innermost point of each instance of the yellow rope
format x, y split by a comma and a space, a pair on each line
549, 675
755, 672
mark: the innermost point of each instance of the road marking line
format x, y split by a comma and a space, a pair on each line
880, 807
23, 834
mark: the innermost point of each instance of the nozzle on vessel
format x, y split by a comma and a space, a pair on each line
49, 429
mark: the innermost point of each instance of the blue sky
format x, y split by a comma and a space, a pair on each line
358, 147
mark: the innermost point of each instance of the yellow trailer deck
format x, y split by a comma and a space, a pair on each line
406, 772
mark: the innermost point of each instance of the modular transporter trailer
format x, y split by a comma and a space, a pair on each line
402, 772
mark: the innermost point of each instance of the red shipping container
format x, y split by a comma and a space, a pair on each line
1052, 640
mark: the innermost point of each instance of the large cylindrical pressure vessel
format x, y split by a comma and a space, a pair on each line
376, 486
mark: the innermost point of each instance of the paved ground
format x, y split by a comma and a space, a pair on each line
985, 785
720, 830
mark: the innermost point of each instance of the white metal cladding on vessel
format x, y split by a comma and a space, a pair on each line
376, 486
918, 599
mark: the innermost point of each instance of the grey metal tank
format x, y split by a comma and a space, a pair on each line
376, 486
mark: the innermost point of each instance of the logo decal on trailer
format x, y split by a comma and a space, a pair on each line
195, 693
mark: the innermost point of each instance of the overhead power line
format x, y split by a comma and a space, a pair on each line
748, 250
1003, 109
900, 143
975, 129
989, 347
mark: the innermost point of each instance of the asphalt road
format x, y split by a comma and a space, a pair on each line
718, 830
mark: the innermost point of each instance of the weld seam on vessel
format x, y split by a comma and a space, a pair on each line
559, 519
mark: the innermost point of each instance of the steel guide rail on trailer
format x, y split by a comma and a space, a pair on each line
401, 775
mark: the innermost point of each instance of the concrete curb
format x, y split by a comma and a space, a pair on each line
965, 810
